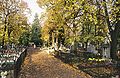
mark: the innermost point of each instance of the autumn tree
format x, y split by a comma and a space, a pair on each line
112, 20
79, 19
13, 17
53, 24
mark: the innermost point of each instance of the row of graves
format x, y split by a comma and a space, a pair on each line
10, 61
97, 65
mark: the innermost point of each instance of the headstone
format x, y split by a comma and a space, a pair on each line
12, 46
0, 47
3, 74
55, 46
116, 76
106, 52
91, 48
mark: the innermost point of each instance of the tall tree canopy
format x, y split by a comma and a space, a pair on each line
84, 20
36, 31
13, 18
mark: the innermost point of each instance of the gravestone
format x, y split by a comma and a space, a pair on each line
106, 51
91, 48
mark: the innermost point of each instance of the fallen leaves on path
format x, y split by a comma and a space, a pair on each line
42, 65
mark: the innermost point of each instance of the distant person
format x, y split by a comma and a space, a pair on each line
34, 46
118, 53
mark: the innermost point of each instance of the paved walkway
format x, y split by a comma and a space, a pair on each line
42, 65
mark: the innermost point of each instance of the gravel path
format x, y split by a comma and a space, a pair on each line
42, 65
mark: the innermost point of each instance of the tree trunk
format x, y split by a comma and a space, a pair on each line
114, 42
9, 32
118, 28
113, 48
9, 36
3, 39
53, 39
86, 45
75, 46
113, 34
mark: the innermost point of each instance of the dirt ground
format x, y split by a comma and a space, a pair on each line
39, 64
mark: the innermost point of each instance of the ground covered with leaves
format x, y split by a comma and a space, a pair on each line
39, 64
